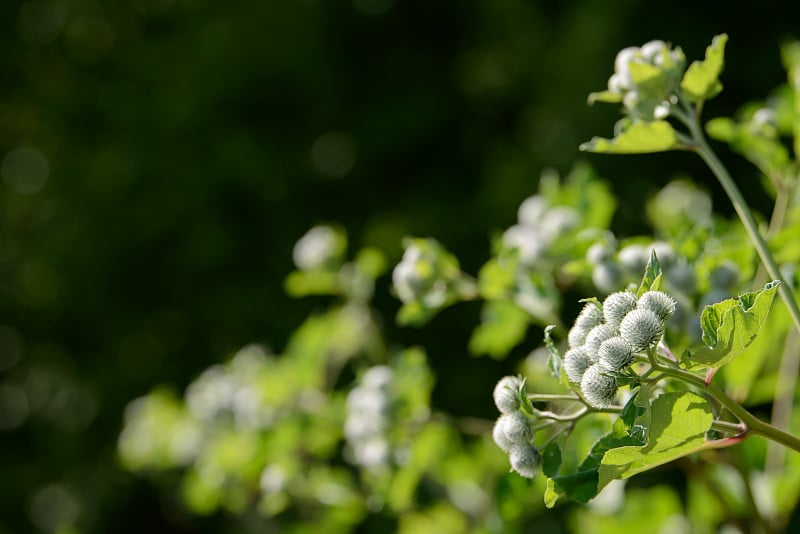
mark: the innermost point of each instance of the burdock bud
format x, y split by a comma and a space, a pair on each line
641, 328
598, 334
634, 258
499, 436
532, 209
607, 277
525, 460
600, 252
725, 275
506, 396
576, 361
590, 316
614, 354
659, 303
599, 387
516, 427
617, 305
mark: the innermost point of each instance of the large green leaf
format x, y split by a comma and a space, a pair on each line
673, 426
678, 424
638, 138
701, 80
730, 326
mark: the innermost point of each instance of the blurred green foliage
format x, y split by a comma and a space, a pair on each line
161, 157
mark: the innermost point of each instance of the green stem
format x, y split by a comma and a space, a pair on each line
742, 210
752, 423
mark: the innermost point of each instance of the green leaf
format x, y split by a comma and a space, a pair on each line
701, 80
678, 425
730, 326
554, 358
650, 435
503, 326
651, 280
414, 314
305, 283
497, 277
638, 138
551, 457
604, 96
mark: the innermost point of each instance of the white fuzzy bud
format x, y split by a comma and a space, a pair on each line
606, 277
641, 328
577, 336
652, 50
634, 259
559, 220
724, 276
379, 377
600, 253
529, 241
682, 277
659, 303
316, 248
617, 305
597, 335
499, 436
615, 354
516, 427
590, 316
576, 361
506, 396
525, 460
531, 210
598, 387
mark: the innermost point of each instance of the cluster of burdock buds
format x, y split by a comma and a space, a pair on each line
369, 418
605, 339
539, 226
513, 431
645, 80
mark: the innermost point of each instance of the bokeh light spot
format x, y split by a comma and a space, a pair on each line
333, 154
25, 170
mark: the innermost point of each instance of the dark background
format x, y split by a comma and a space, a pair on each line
190, 143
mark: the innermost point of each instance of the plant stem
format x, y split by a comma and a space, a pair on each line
742, 210
752, 423
784, 397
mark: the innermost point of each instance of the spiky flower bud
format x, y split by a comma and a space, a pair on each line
600, 252
499, 436
724, 276
607, 277
590, 316
576, 361
659, 303
506, 396
597, 335
617, 305
532, 209
641, 328
516, 427
634, 258
682, 277
615, 354
598, 386
525, 460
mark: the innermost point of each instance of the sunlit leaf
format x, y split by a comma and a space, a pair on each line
638, 138
678, 425
701, 80
730, 326
651, 280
